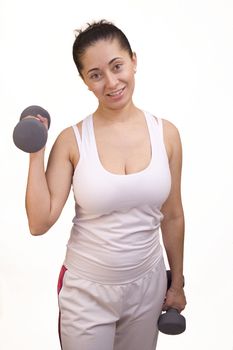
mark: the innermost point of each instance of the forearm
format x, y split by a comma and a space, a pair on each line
37, 195
173, 239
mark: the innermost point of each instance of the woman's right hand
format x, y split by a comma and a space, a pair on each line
39, 117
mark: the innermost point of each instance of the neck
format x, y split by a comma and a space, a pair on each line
120, 115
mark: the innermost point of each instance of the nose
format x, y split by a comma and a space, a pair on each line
111, 80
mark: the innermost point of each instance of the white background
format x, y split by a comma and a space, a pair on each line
185, 74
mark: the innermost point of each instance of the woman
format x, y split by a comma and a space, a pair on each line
125, 169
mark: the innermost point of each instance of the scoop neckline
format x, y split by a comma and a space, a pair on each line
122, 175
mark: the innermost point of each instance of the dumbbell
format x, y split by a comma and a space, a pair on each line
171, 322
30, 135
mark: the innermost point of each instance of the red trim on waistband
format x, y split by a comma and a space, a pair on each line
60, 279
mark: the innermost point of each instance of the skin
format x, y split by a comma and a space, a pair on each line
109, 73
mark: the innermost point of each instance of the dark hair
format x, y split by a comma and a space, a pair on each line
101, 30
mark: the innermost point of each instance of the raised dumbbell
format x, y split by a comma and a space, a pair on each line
30, 135
171, 322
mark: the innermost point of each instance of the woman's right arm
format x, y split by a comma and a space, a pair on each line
47, 191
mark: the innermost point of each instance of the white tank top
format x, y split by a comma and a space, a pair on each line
115, 233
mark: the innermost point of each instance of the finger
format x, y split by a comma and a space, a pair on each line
31, 117
43, 120
165, 307
40, 117
179, 307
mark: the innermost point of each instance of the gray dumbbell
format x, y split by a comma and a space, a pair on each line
30, 135
171, 322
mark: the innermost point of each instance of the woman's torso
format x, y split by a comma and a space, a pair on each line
115, 230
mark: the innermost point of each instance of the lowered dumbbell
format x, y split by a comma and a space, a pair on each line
171, 322
30, 135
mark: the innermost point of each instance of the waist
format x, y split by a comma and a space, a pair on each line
106, 264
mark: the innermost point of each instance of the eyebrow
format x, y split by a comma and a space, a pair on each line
109, 63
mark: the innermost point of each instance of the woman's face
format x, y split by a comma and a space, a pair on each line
108, 71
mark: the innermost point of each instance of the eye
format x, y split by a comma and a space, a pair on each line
95, 76
117, 67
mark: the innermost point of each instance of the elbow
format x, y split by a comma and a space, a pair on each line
174, 214
38, 226
37, 230
176, 217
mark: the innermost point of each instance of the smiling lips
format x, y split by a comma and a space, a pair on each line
116, 93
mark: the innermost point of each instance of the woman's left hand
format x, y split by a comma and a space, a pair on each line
175, 299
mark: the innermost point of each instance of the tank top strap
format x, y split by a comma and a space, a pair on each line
77, 136
155, 123
155, 126
160, 127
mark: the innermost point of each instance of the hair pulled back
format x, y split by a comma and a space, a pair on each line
101, 30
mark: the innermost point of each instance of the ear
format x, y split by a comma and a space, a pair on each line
134, 61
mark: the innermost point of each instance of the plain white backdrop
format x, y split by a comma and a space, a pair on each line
185, 74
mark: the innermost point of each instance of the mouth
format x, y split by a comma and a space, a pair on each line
116, 92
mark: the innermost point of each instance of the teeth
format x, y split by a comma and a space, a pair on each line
115, 93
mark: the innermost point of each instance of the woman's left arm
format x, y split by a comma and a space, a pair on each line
172, 226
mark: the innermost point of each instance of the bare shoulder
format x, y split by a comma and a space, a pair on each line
171, 137
67, 135
65, 139
169, 129
65, 146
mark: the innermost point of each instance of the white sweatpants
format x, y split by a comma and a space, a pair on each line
96, 316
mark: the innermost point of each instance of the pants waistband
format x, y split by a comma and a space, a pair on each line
88, 270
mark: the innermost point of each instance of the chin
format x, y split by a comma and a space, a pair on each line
118, 106
121, 104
